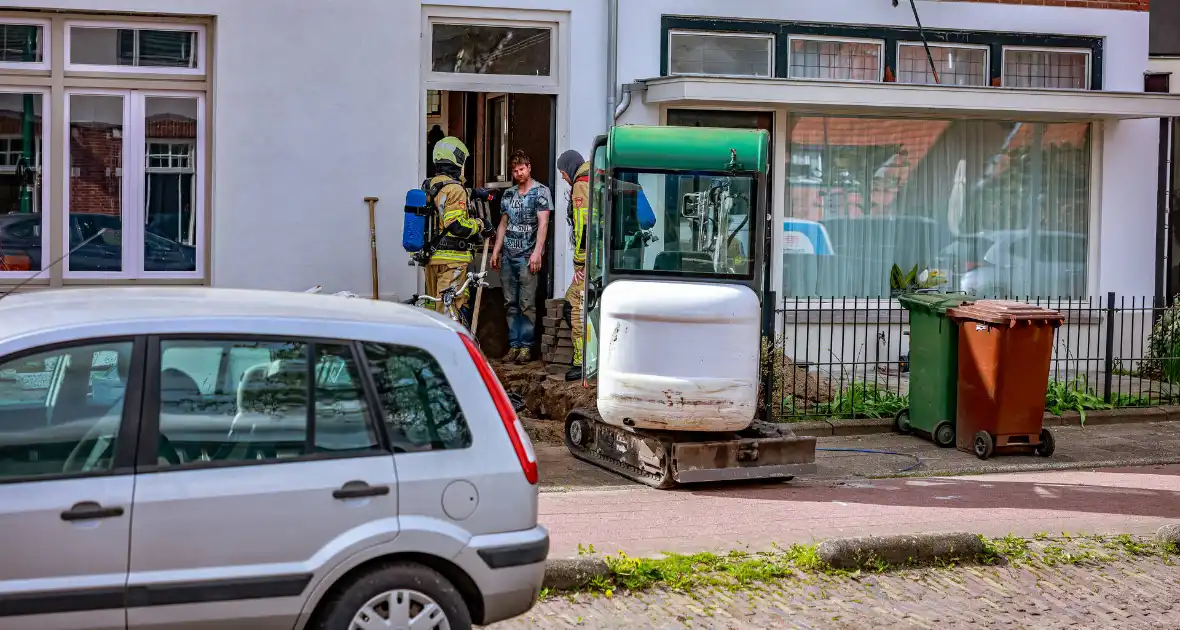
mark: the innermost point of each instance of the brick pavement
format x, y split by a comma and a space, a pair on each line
642, 521
1130, 594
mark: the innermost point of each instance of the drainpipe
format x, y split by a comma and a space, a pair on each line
612, 60
628, 90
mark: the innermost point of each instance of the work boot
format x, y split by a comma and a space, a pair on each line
520, 356
574, 374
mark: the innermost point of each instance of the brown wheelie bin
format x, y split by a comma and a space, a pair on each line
1005, 349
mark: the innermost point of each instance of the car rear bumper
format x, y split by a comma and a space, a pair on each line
508, 570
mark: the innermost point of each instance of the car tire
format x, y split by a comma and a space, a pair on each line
406, 578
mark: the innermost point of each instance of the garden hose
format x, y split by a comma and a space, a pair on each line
917, 461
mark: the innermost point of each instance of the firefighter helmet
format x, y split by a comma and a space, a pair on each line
450, 150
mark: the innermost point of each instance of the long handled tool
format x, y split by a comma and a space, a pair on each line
372, 201
479, 292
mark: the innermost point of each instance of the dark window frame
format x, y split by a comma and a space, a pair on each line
146, 456
126, 441
891, 35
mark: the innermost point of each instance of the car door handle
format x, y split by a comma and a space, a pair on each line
89, 510
359, 489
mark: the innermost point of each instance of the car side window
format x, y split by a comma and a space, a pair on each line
419, 406
244, 400
60, 410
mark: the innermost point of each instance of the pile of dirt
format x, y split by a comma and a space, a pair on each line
544, 398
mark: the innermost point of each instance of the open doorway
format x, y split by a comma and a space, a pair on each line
493, 125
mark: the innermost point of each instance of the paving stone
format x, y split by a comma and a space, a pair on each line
1138, 593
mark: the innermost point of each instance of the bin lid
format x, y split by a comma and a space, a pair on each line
1007, 314
937, 303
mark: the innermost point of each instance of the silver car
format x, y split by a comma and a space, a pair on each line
201, 458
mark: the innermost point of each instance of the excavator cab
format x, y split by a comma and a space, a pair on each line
677, 305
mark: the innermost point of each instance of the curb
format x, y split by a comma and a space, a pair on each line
563, 574
840, 553
851, 553
1168, 535
871, 426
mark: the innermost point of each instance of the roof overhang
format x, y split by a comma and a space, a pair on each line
929, 101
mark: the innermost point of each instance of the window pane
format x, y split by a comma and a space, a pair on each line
420, 408
1046, 69
170, 184
703, 53
129, 47
835, 60
96, 183
472, 49
232, 401
682, 223
341, 413
21, 43
60, 411
956, 66
990, 208
21, 217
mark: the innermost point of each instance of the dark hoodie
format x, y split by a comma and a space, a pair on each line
569, 162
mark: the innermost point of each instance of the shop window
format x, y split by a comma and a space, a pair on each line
121, 48
956, 65
22, 44
1046, 68
995, 209
134, 186
836, 59
22, 190
501, 50
725, 54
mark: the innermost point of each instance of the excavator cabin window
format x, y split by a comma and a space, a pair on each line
682, 224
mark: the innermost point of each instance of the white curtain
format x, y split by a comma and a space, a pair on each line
997, 209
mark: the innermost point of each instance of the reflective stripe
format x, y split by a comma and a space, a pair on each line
450, 256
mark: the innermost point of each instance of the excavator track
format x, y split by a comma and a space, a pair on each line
664, 460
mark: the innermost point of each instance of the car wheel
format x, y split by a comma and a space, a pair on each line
398, 596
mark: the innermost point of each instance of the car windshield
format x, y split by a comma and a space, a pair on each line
678, 224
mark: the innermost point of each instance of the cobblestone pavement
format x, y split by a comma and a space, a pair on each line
1132, 594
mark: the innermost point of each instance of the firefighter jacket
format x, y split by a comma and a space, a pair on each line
459, 228
579, 208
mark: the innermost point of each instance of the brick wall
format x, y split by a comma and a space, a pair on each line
1126, 5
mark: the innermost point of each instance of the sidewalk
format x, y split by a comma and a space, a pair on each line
642, 521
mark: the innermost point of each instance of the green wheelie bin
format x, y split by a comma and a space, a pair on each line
934, 342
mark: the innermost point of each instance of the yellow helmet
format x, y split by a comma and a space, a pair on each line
450, 150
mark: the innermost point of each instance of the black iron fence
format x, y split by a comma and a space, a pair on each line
849, 357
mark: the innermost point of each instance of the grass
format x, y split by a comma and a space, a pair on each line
737, 570
1074, 395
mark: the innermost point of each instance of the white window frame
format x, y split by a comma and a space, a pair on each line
46, 44
987, 59
199, 52
134, 169
880, 43
46, 180
462, 81
505, 174
771, 37
1086, 51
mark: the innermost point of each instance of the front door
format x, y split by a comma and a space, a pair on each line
67, 445
260, 460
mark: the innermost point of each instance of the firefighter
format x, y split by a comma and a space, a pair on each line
460, 231
576, 172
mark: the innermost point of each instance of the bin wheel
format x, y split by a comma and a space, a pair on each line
901, 422
1047, 445
944, 434
984, 445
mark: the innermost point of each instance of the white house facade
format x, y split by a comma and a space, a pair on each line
233, 144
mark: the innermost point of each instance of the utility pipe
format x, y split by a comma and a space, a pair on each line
612, 60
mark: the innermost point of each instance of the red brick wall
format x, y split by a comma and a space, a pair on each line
93, 150
1126, 5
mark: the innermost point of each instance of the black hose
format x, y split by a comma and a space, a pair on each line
917, 461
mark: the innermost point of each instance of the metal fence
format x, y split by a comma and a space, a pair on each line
849, 357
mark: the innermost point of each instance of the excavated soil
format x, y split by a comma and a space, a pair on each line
546, 401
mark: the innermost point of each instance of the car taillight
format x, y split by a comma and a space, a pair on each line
520, 440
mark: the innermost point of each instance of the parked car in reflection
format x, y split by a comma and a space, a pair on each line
1011, 263
20, 244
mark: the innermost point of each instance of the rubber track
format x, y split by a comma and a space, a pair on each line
624, 469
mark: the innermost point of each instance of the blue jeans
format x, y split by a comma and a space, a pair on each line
520, 292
